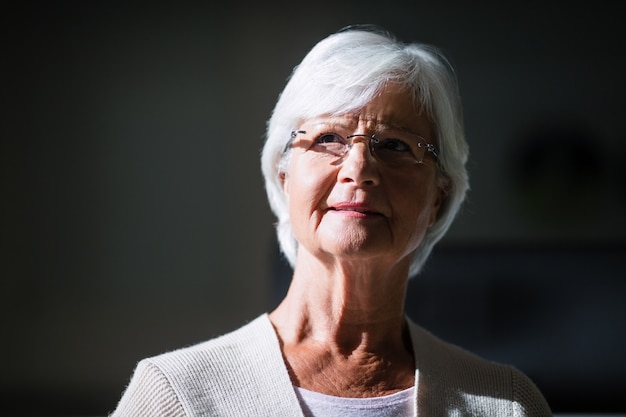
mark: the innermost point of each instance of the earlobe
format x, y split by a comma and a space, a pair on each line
283, 181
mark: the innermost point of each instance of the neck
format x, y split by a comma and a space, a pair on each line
343, 332
344, 307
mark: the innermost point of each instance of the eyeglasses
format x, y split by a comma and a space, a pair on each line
390, 151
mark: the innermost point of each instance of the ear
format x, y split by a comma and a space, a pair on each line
443, 188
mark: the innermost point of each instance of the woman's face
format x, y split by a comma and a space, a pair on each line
357, 207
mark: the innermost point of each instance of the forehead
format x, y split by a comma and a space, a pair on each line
393, 108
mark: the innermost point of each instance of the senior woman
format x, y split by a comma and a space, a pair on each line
364, 164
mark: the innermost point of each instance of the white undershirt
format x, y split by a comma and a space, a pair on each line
315, 404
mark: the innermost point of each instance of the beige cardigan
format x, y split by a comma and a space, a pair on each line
243, 374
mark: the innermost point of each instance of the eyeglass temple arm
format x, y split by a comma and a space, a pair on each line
293, 135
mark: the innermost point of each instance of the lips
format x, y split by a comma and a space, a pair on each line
356, 208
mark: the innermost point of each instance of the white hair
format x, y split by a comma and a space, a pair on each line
341, 74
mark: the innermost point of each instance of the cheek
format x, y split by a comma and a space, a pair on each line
417, 207
416, 221
305, 190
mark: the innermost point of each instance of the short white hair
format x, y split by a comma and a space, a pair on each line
341, 74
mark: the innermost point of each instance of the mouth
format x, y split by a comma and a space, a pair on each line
357, 210
353, 210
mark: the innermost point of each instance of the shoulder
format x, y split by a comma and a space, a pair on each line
216, 377
472, 382
217, 352
149, 393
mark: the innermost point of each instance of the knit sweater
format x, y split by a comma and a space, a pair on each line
243, 374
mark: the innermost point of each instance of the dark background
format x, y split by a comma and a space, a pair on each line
134, 220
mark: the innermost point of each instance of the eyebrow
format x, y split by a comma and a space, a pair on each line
330, 124
380, 128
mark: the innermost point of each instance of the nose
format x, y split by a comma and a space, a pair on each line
358, 165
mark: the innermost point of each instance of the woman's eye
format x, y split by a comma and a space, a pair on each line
329, 144
396, 145
329, 138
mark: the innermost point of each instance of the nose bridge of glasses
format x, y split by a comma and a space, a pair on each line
369, 141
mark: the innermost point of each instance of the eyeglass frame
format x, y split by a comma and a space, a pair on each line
430, 148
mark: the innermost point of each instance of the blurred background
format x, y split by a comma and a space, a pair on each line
134, 219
